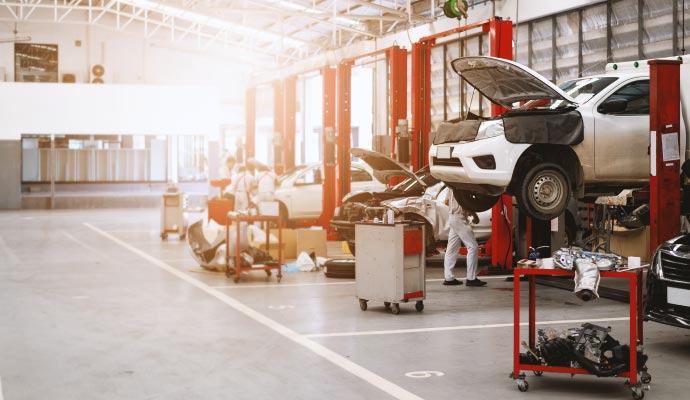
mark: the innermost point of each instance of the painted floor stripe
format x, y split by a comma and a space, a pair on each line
459, 328
10, 254
279, 285
335, 358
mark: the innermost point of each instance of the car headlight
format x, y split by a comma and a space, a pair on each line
489, 129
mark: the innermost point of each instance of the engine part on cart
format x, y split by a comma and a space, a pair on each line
590, 347
206, 243
565, 259
587, 279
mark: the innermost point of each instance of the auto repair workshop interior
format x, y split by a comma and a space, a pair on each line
344, 199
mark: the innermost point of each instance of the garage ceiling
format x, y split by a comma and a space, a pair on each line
273, 32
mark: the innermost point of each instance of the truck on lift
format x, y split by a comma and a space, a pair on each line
586, 136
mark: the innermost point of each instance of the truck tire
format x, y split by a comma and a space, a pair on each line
473, 201
544, 191
351, 246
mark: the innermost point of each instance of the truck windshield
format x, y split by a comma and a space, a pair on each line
581, 90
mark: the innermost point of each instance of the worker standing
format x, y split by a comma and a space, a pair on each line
460, 233
229, 169
266, 181
241, 187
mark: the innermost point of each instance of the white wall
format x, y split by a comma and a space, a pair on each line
55, 108
132, 59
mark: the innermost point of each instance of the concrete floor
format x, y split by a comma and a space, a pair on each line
94, 306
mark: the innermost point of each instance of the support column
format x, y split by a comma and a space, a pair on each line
250, 122
328, 145
344, 114
397, 61
290, 130
421, 103
278, 127
501, 45
664, 150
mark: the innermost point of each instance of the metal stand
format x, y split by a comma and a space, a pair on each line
266, 266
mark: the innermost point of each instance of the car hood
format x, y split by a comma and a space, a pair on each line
678, 244
384, 167
506, 82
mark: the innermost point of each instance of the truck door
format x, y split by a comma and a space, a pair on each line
621, 137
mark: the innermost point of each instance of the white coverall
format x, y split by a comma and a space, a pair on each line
460, 232
241, 186
266, 186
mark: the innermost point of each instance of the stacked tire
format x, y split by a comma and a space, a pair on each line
340, 269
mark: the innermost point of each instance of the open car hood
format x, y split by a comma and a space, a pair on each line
384, 167
506, 82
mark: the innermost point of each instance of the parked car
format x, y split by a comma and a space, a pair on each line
667, 298
587, 135
300, 189
417, 197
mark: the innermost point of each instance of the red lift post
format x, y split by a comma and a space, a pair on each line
278, 126
250, 119
664, 125
290, 127
329, 148
501, 45
397, 78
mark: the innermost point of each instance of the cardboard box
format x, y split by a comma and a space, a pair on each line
631, 242
289, 243
273, 250
312, 240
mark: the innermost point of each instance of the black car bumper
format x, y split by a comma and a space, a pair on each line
658, 309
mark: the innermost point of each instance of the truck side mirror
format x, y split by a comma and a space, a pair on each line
612, 106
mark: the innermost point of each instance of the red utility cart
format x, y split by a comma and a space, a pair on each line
265, 266
636, 378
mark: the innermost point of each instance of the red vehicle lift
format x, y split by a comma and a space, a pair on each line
500, 45
664, 125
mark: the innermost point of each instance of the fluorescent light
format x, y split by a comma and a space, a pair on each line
212, 22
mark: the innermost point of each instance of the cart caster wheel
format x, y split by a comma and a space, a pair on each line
538, 373
395, 309
363, 305
387, 304
645, 377
236, 279
279, 278
419, 306
268, 272
164, 236
637, 393
522, 385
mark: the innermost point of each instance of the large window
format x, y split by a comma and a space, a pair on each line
35, 62
94, 158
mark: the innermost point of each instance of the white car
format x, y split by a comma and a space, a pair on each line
431, 207
300, 190
586, 135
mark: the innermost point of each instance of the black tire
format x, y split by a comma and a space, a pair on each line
544, 191
419, 306
351, 246
341, 269
473, 201
284, 216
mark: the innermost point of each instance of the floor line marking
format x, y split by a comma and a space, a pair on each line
10, 254
84, 245
317, 284
317, 348
459, 328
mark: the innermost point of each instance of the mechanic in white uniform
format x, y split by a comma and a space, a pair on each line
460, 233
265, 185
241, 187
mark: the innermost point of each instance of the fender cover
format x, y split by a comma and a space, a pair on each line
533, 127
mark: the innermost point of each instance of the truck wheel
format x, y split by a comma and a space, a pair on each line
473, 201
544, 192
